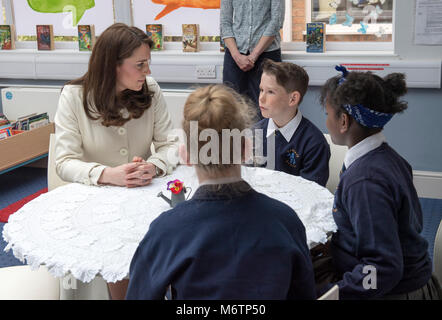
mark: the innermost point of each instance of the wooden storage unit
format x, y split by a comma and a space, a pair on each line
25, 147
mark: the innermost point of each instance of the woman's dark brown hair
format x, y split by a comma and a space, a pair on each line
100, 99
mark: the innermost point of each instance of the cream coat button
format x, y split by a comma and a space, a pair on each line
125, 113
121, 131
123, 152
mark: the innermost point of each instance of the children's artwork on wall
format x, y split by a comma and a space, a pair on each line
76, 7
172, 5
172, 14
381, 32
332, 19
64, 15
372, 13
348, 20
363, 28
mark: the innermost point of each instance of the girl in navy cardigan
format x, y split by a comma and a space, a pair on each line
377, 252
228, 241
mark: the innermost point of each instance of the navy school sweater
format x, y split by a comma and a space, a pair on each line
230, 243
379, 221
306, 154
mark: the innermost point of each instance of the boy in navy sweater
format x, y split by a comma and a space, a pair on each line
228, 241
377, 252
299, 146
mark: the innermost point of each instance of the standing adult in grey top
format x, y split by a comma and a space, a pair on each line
250, 30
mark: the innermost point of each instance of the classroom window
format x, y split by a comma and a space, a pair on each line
64, 18
346, 20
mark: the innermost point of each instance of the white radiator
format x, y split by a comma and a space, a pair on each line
19, 102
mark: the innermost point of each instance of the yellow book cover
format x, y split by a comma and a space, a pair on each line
191, 36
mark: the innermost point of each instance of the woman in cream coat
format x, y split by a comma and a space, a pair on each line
107, 120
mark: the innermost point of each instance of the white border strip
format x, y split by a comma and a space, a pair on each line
428, 184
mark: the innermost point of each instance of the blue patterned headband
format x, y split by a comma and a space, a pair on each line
363, 115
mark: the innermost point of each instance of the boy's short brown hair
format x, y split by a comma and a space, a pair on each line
288, 75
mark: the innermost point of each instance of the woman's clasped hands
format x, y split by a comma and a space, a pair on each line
137, 173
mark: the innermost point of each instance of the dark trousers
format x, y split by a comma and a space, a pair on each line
325, 274
247, 83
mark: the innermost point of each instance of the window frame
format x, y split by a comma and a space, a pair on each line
123, 13
333, 46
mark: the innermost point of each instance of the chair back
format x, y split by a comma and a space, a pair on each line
21, 283
332, 294
54, 180
437, 253
335, 163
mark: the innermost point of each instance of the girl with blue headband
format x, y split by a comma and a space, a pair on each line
377, 252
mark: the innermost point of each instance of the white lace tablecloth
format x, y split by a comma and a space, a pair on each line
89, 231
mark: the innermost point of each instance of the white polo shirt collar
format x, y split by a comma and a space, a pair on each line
363, 147
288, 130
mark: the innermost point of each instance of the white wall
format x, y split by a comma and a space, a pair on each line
404, 34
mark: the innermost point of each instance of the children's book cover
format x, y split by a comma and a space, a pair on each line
7, 37
45, 37
86, 37
155, 32
222, 45
191, 37
315, 37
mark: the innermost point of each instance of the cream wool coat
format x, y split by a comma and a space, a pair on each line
84, 147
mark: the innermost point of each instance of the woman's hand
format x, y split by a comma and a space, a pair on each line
243, 62
135, 174
143, 174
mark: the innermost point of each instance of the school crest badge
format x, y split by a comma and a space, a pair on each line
291, 158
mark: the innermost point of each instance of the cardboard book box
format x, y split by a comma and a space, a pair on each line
25, 146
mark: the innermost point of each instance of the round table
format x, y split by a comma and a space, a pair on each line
91, 231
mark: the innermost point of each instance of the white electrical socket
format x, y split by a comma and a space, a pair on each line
206, 72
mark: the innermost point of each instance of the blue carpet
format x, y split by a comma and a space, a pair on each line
20, 183
14, 186
6, 259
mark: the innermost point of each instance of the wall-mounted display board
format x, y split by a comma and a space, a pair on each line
172, 15
64, 15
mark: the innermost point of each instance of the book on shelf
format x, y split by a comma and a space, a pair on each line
222, 45
45, 37
86, 37
191, 37
32, 121
7, 37
315, 38
155, 32
3, 120
5, 131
